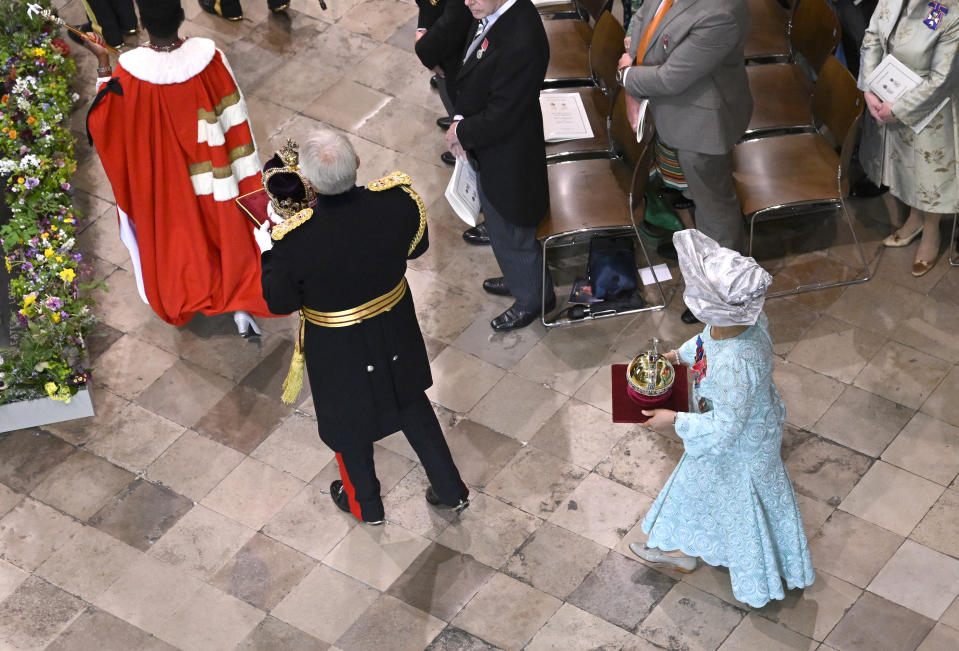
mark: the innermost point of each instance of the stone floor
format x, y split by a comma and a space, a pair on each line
192, 511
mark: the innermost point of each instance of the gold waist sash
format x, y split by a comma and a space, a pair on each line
354, 315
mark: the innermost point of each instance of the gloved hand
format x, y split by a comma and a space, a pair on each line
263, 238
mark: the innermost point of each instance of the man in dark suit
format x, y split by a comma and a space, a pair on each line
440, 36
499, 125
344, 270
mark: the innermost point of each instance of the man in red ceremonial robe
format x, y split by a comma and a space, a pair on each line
172, 131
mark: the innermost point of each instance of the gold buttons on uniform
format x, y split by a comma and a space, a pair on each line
395, 357
369, 369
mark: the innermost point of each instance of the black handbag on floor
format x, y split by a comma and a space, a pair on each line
612, 266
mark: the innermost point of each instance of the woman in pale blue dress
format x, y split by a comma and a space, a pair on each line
729, 501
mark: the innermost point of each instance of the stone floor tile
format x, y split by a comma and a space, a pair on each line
35, 613
807, 394
643, 460
134, 438
310, 522
597, 390
325, 604
201, 542
555, 560
8, 499
863, 421
931, 329
242, 419
879, 306
405, 78
788, 322
951, 616
919, 578
902, 374
193, 465
262, 572
121, 307
814, 514
940, 638
815, 610
926, 447
141, 514
879, 625
569, 356
164, 396
939, 528
755, 632
96, 629
268, 375
493, 616
709, 579
11, 577
489, 530
687, 616
253, 493
376, 556
535, 481
271, 633
942, 404
517, 407
32, 531
210, 620
455, 639
852, 549
621, 590
836, 348
443, 311
479, 452
106, 405
82, 484
581, 434
819, 468
406, 506
88, 563
28, 456
440, 581
100, 239
391, 623
213, 344
574, 629
502, 349
295, 447
600, 509
99, 341
132, 365
390, 469
892, 498
460, 380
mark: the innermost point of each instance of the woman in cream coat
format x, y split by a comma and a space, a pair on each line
919, 168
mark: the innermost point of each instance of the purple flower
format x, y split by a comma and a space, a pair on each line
64, 186
53, 303
32, 182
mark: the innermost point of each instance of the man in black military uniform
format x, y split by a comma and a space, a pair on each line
342, 262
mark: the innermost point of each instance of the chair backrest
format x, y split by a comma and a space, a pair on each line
815, 31
595, 8
644, 163
838, 104
605, 48
621, 135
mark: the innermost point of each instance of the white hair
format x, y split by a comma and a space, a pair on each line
328, 161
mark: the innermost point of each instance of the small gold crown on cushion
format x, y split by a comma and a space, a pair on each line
289, 155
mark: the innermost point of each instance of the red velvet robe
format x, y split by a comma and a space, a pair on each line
177, 148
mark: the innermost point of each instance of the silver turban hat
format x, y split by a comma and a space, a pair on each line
723, 288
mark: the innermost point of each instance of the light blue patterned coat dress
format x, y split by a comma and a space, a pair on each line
730, 501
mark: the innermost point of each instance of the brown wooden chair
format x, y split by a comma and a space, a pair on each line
782, 92
569, 45
787, 175
607, 46
602, 196
768, 38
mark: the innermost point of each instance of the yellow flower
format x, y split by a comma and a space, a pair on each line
7, 262
53, 227
58, 259
68, 275
44, 235
29, 299
55, 316
48, 252
50, 388
21, 180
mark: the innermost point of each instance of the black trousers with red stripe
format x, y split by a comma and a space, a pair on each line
419, 424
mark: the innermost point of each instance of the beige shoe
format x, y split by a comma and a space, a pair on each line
895, 240
922, 267
685, 564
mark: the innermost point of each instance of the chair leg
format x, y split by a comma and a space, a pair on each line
952, 242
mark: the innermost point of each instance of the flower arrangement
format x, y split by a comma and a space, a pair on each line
53, 313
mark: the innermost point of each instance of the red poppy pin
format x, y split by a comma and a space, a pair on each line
482, 48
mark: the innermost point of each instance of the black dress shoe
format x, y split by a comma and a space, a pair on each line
342, 501
864, 189
232, 12
689, 317
448, 158
444, 123
476, 234
515, 318
276, 6
435, 500
433, 82
496, 286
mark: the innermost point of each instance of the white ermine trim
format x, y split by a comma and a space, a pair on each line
213, 134
183, 63
227, 188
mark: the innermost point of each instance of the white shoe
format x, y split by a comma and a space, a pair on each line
245, 324
684, 564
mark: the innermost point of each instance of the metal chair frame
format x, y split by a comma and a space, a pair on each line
952, 241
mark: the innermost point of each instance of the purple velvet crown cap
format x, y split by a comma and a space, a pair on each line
283, 185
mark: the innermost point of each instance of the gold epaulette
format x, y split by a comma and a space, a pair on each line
391, 181
280, 230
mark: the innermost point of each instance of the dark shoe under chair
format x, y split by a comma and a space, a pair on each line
435, 500
342, 501
476, 234
448, 158
444, 123
496, 286
516, 317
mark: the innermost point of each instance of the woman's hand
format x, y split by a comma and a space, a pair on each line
94, 43
885, 114
873, 103
672, 357
659, 418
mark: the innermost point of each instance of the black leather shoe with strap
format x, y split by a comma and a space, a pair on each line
476, 234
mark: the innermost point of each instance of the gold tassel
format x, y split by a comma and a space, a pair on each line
293, 383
